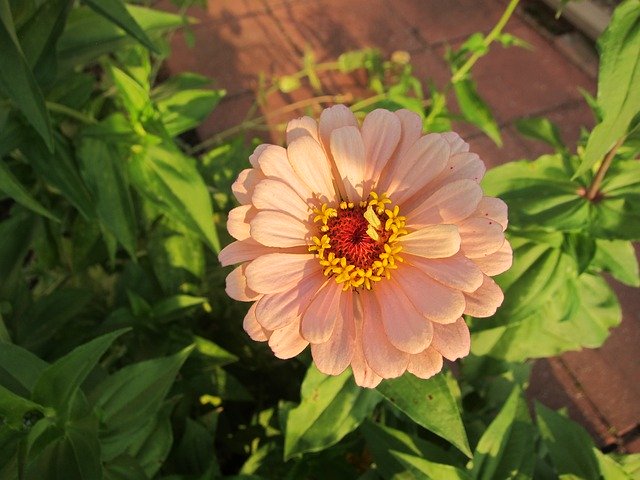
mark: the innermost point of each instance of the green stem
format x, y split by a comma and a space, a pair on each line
497, 30
70, 112
594, 188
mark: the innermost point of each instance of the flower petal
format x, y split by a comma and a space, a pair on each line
274, 163
425, 364
381, 132
300, 127
333, 118
456, 142
383, 358
432, 241
347, 149
480, 237
406, 329
450, 204
456, 272
238, 221
241, 251
333, 356
493, 208
253, 328
497, 262
363, 374
422, 162
453, 340
243, 187
253, 158
319, 319
277, 272
236, 286
276, 310
430, 298
286, 342
274, 195
278, 229
411, 130
312, 166
485, 301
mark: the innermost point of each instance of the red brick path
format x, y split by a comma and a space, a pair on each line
237, 39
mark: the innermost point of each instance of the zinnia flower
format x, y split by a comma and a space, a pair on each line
367, 243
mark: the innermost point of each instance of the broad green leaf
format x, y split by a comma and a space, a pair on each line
132, 95
13, 408
60, 381
10, 185
630, 463
102, 168
16, 234
609, 468
424, 469
131, 398
618, 257
569, 446
475, 110
116, 12
171, 181
186, 109
541, 129
430, 403
17, 80
176, 303
125, 467
214, 353
19, 368
506, 449
331, 407
151, 445
88, 35
178, 83
618, 80
195, 452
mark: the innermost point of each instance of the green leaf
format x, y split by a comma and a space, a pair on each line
215, 354
331, 407
152, 444
430, 403
186, 109
132, 95
176, 303
541, 129
102, 168
13, 408
10, 185
618, 257
423, 468
131, 398
17, 80
475, 110
618, 80
569, 446
116, 12
506, 445
609, 467
171, 181
59, 382
19, 368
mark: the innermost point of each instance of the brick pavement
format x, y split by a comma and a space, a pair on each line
237, 39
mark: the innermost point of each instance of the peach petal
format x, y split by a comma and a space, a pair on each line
241, 251
253, 158
238, 222
432, 241
333, 356
485, 301
333, 118
319, 319
300, 127
450, 204
497, 262
363, 374
312, 166
347, 149
383, 358
243, 187
276, 310
493, 208
253, 328
453, 340
274, 195
381, 131
406, 328
456, 272
274, 164
480, 237
237, 288
425, 364
456, 142
411, 130
422, 162
277, 272
286, 342
463, 165
278, 229
430, 298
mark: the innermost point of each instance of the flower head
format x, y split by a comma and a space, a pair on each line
368, 243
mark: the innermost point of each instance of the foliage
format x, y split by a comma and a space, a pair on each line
121, 356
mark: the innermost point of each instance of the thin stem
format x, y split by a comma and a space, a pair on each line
70, 112
594, 188
497, 30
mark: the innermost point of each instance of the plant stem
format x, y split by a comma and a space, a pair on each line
70, 112
594, 188
460, 74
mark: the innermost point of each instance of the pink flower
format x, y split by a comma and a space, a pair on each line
367, 242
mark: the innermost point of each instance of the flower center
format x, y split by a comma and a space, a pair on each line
358, 244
